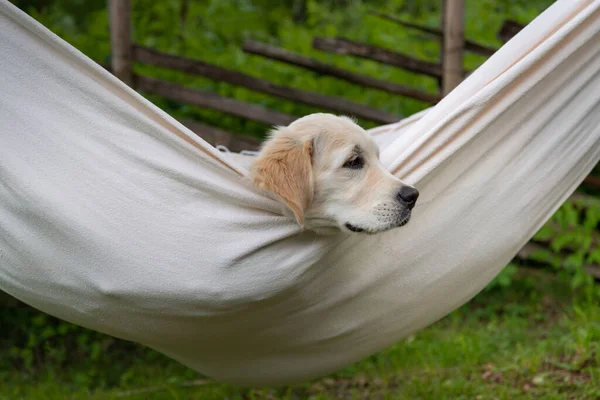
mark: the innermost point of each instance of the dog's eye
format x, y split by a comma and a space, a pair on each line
356, 163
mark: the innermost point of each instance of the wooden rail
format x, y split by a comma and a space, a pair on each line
369, 52
298, 60
186, 65
470, 45
219, 137
508, 30
212, 100
592, 181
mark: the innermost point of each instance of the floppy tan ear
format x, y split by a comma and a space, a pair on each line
284, 167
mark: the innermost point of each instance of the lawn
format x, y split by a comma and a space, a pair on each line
533, 339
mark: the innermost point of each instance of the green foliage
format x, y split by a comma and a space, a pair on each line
504, 279
31, 340
571, 242
214, 30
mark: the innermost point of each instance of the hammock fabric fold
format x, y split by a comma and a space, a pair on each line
116, 217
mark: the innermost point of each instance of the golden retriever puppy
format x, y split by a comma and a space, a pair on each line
325, 169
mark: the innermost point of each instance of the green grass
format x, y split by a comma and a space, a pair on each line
535, 339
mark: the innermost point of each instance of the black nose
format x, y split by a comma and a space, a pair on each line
408, 195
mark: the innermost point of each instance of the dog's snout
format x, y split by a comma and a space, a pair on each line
408, 195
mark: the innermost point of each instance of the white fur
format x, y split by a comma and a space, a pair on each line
366, 198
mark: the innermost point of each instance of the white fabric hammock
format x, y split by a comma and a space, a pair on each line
116, 217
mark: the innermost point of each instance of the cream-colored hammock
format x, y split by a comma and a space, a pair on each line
116, 217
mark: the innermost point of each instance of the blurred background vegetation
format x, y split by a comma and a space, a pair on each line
533, 333
213, 31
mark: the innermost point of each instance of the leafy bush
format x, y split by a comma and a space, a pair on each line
30, 340
571, 243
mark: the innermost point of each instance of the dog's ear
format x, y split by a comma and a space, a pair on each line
284, 167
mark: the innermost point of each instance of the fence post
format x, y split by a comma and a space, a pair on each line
453, 13
120, 39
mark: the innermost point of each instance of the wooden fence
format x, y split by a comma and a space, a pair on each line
448, 71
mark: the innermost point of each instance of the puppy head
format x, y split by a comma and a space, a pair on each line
326, 170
